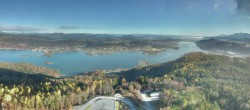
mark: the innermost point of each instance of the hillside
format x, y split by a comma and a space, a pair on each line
213, 61
218, 79
194, 81
29, 69
238, 43
29, 87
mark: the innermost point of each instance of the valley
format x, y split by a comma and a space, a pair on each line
183, 78
124, 55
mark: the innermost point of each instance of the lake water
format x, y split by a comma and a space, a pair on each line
76, 62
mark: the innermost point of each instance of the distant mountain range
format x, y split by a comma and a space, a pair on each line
238, 43
50, 43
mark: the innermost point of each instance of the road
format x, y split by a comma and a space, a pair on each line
98, 102
104, 103
147, 100
108, 103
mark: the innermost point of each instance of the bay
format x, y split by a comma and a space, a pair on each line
69, 63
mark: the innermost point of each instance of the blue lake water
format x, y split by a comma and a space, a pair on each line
76, 62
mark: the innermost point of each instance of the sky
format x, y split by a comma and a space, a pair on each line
172, 17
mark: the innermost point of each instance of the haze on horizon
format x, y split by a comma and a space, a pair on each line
176, 17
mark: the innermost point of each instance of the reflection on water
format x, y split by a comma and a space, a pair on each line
75, 62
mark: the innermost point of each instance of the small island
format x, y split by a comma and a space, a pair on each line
48, 63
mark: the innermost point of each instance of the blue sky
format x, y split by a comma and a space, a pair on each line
178, 17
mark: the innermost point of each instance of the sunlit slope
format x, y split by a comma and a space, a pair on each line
30, 87
222, 79
29, 69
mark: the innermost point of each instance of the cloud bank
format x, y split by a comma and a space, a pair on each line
75, 27
19, 29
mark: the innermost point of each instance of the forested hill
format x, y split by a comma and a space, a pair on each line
217, 82
29, 87
238, 44
194, 81
29, 69
191, 62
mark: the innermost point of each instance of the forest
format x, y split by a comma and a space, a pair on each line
28, 87
194, 81
198, 81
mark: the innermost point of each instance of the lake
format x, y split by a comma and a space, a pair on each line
69, 63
